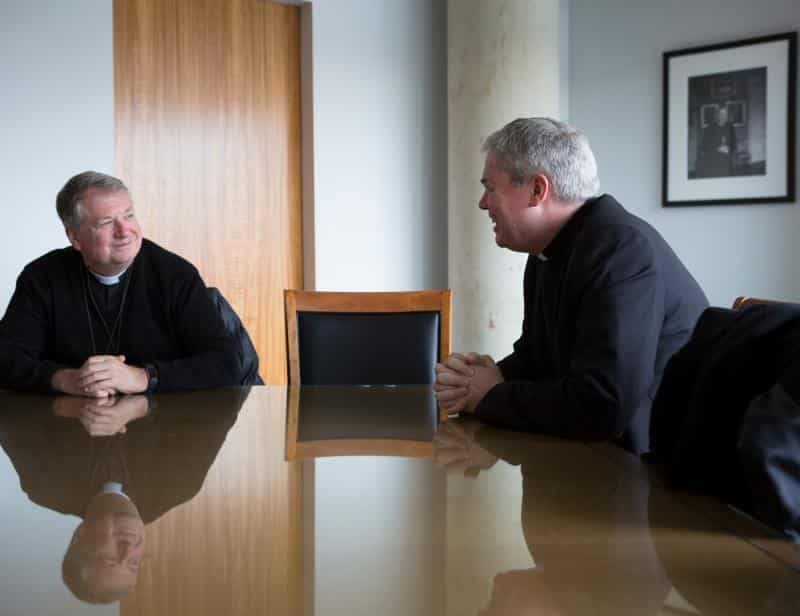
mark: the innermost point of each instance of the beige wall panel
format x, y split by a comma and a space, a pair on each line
207, 111
496, 71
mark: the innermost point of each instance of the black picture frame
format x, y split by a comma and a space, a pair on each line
729, 122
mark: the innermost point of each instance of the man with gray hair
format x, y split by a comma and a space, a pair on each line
113, 313
607, 301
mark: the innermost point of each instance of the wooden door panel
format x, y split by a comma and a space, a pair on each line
207, 112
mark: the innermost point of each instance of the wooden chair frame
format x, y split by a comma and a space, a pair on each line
743, 301
327, 301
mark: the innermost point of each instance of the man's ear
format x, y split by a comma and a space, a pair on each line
73, 238
540, 189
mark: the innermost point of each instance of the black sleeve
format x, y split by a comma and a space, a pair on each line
208, 354
517, 364
619, 317
23, 336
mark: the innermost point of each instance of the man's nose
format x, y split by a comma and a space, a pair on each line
120, 226
482, 202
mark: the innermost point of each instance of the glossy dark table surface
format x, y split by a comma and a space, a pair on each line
348, 501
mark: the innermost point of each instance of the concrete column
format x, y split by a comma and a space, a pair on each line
505, 59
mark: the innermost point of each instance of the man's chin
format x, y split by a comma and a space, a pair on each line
503, 244
508, 245
124, 258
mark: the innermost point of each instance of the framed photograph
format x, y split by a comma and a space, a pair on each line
729, 122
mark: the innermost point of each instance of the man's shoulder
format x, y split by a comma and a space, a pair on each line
159, 258
605, 221
608, 221
606, 210
53, 263
631, 245
611, 244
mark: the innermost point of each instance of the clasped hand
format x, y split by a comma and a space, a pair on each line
101, 376
463, 380
457, 451
103, 416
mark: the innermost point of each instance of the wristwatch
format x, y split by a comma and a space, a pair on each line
152, 377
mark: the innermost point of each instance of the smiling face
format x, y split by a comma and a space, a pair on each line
115, 546
109, 236
508, 205
103, 559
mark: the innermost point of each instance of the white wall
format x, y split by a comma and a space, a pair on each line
616, 49
380, 137
378, 178
34, 540
56, 117
377, 533
379, 141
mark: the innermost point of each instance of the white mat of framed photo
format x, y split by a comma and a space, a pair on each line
771, 177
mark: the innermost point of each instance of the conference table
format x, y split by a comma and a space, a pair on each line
339, 500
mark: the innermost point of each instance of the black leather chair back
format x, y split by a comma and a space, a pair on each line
368, 348
248, 358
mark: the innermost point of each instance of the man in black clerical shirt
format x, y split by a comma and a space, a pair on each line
113, 313
717, 147
607, 301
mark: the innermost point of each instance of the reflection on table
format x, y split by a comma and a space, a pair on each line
490, 522
117, 464
372, 421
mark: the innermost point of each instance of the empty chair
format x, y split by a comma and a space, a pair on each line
366, 338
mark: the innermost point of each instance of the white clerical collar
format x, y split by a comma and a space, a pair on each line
113, 487
108, 280
542, 257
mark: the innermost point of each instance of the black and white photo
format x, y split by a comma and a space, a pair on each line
729, 122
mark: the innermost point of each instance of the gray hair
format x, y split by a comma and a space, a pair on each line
68, 201
528, 146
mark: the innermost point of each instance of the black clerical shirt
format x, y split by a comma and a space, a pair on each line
168, 321
106, 309
603, 312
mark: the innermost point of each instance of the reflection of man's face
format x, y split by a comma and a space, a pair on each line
116, 545
111, 543
722, 116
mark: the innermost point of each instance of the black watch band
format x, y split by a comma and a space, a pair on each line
152, 377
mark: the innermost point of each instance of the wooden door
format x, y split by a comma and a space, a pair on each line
207, 112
